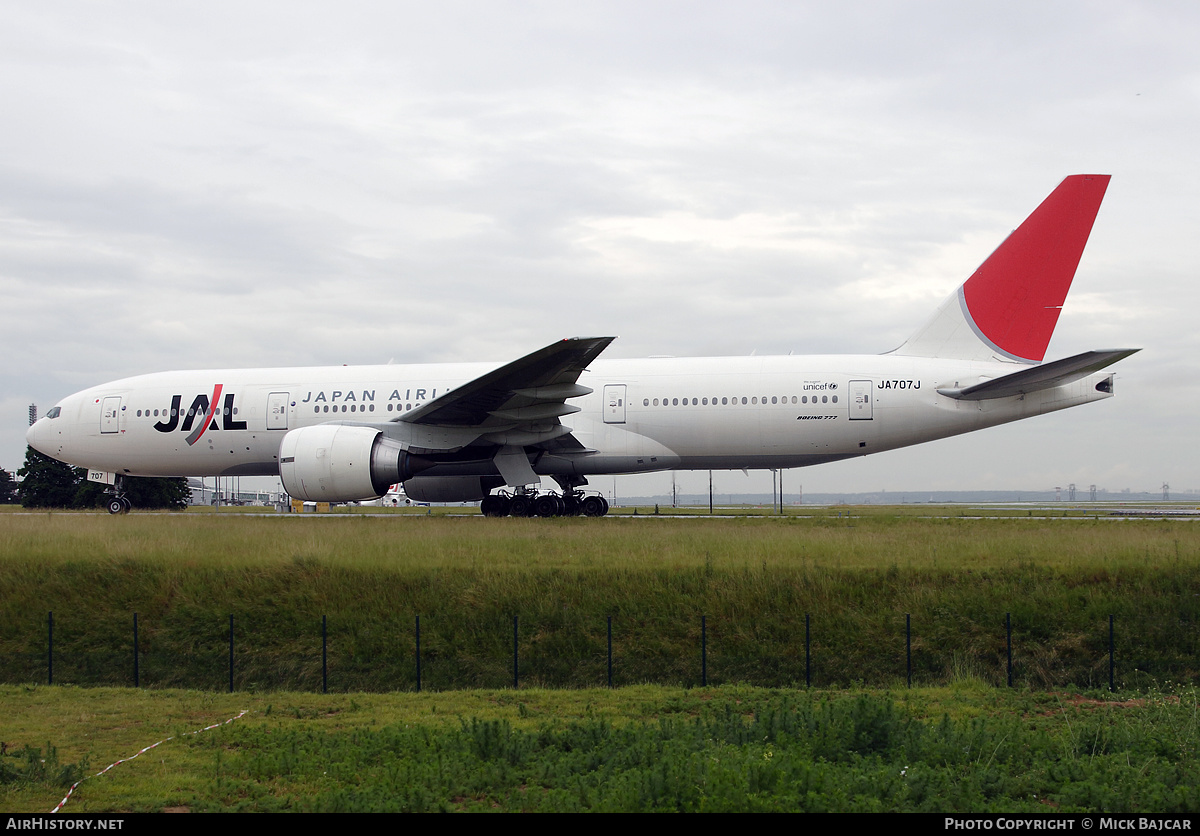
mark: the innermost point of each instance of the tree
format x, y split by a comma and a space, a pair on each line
50, 483
8, 488
47, 482
158, 492
172, 493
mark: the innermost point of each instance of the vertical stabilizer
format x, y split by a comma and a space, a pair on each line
1007, 310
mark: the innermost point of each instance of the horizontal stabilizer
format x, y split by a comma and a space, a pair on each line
1045, 376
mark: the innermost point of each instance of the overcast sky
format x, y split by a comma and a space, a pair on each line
232, 184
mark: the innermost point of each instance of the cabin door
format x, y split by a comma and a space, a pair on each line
614, 403
110, 415
277, 410
861, 408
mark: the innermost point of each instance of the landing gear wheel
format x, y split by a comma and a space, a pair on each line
494, 506
594, 506
570, 506
125, 504
519, 507
546, 506
116, 506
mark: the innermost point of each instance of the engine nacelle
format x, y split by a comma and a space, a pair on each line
450, 488
343, 463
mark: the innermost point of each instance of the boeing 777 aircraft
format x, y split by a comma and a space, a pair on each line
458, 432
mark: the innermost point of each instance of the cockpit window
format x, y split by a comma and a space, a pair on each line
54, 412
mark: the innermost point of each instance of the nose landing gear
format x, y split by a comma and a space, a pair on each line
119, 503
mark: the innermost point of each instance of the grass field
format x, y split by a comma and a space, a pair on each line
962, 748
753, 580
850, 742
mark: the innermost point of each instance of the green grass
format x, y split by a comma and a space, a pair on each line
962, 748
753, 578
859, 740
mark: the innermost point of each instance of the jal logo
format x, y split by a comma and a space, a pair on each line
201, 416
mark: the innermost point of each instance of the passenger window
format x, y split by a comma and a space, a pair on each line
835, 398
645, 401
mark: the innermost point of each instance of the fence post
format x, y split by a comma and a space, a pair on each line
516, 678
418, 654
324, 655
908, 645
704, 650
807, 651
1008, 633
231, 653
610, 651
50, 648
1111, 653
137, 679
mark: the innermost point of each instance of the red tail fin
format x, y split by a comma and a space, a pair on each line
1014, 298
1010, 305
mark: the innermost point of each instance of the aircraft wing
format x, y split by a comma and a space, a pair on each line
1045, 376
526, 396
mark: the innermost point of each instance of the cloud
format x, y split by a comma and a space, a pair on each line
295, 184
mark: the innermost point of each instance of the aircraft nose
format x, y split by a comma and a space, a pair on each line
47, 435
38, 435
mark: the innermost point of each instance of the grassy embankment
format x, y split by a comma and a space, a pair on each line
754, 579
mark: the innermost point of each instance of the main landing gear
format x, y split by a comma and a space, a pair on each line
530, 503
118, 503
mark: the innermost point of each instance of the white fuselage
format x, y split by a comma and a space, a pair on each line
643, 415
